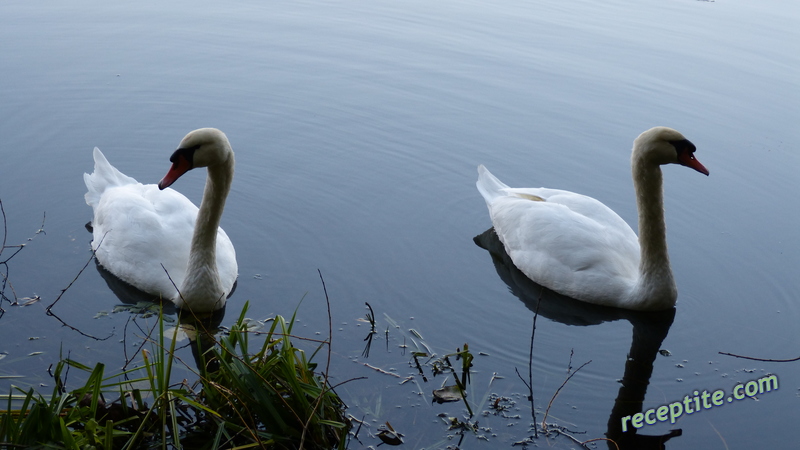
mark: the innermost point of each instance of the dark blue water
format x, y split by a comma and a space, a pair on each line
357, 130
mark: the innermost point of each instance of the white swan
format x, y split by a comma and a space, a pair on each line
578, 247
138, 228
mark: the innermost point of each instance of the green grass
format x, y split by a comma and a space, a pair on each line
268, 397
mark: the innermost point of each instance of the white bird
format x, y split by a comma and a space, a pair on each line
578, 247
137, 227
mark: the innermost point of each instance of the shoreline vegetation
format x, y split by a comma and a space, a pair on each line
264, 394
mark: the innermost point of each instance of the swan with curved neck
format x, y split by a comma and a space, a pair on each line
577, 246
139, 228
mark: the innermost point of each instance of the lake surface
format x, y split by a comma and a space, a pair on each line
358, 128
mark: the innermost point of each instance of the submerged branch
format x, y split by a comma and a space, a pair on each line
752, 358
5, 281
544, 424
529, 383
49, 309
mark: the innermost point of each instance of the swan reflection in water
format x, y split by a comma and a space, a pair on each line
200, 330
649, 331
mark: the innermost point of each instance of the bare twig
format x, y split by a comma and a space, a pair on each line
529, 382
50, 313
19, 247
386, 372
147, 338
760, 359
5, 281
360, 423
720, 436
600, 439
544, 424
564, 433
530, 364
5, 227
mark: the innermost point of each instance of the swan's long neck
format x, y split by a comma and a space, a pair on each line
656, 284
202, 289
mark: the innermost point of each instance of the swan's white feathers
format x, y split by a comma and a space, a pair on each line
566, 241
104, 177
575, 245
137, 228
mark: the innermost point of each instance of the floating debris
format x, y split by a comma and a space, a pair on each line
448, 394
389, 436
29, 300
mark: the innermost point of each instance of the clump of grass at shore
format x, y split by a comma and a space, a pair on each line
270, 398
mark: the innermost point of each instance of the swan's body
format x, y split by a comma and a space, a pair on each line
138, 228
577, 246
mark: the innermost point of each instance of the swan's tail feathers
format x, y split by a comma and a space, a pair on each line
104, 176
489, 186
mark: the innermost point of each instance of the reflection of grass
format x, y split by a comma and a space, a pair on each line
271, 398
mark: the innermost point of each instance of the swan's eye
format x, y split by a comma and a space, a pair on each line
186, 153
684, 146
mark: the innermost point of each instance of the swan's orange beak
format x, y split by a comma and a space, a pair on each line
180, 165
687, 159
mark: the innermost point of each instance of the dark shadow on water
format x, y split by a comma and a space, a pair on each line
649, 331
129, 294
199, 329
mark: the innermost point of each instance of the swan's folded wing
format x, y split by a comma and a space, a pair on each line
580, 204
133, 238
567, 249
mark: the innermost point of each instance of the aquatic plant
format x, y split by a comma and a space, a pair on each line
273, 398
273, 395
